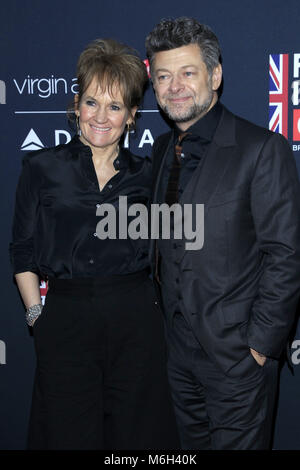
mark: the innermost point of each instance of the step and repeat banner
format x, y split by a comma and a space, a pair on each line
39, 46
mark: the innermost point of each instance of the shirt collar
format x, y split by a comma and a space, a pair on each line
121, 161
206, 126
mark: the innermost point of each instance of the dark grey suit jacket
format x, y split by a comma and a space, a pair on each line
242, 288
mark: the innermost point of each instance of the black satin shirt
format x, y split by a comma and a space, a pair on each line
194, 147
54, 227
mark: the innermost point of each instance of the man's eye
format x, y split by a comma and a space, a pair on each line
189, 74
161, 78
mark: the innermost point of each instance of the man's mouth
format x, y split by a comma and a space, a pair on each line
179, 99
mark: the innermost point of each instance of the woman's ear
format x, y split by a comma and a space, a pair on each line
130, 119
133, 111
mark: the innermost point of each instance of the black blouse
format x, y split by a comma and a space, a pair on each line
54, 228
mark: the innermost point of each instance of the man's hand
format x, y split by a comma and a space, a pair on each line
260, 358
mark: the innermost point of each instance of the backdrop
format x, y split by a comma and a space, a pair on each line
40, 44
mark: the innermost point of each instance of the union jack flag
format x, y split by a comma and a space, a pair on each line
278, 93
43, 290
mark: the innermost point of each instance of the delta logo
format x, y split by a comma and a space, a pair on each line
61, 136
33, 142
284, 96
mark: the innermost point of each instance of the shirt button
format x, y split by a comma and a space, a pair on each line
95, 234
110, 186
91, 261
98, 205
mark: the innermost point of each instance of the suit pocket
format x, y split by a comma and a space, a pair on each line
237, 311
42, 316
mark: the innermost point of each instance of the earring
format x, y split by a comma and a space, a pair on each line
78, 125
128, 134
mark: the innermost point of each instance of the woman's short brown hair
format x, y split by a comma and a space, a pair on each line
112, 64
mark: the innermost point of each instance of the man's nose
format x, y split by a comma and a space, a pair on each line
176, 84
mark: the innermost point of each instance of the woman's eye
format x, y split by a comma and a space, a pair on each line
90, 102
115, 107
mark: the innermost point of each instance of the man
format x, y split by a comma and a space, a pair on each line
230, 305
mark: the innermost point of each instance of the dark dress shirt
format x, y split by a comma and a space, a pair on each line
54, 228
194, 148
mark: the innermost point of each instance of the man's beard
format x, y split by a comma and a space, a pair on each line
193, 112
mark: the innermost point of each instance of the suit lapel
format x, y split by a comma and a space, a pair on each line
207, 177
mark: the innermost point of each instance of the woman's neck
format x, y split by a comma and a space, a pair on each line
103, 156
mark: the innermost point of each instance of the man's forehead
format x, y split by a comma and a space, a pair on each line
183, 56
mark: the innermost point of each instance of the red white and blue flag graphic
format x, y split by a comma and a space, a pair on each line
278, 93
43, 290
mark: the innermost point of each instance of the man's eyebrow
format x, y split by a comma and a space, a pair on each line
161, 69
190, 65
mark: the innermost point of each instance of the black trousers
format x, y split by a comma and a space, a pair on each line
215, 411
101, 378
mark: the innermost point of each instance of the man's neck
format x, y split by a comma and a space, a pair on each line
183, 126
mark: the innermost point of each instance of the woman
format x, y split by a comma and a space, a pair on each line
100, 380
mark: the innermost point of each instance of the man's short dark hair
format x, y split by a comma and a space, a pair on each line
170, 34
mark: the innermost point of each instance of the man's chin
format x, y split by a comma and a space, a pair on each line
181, 118
177, 115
